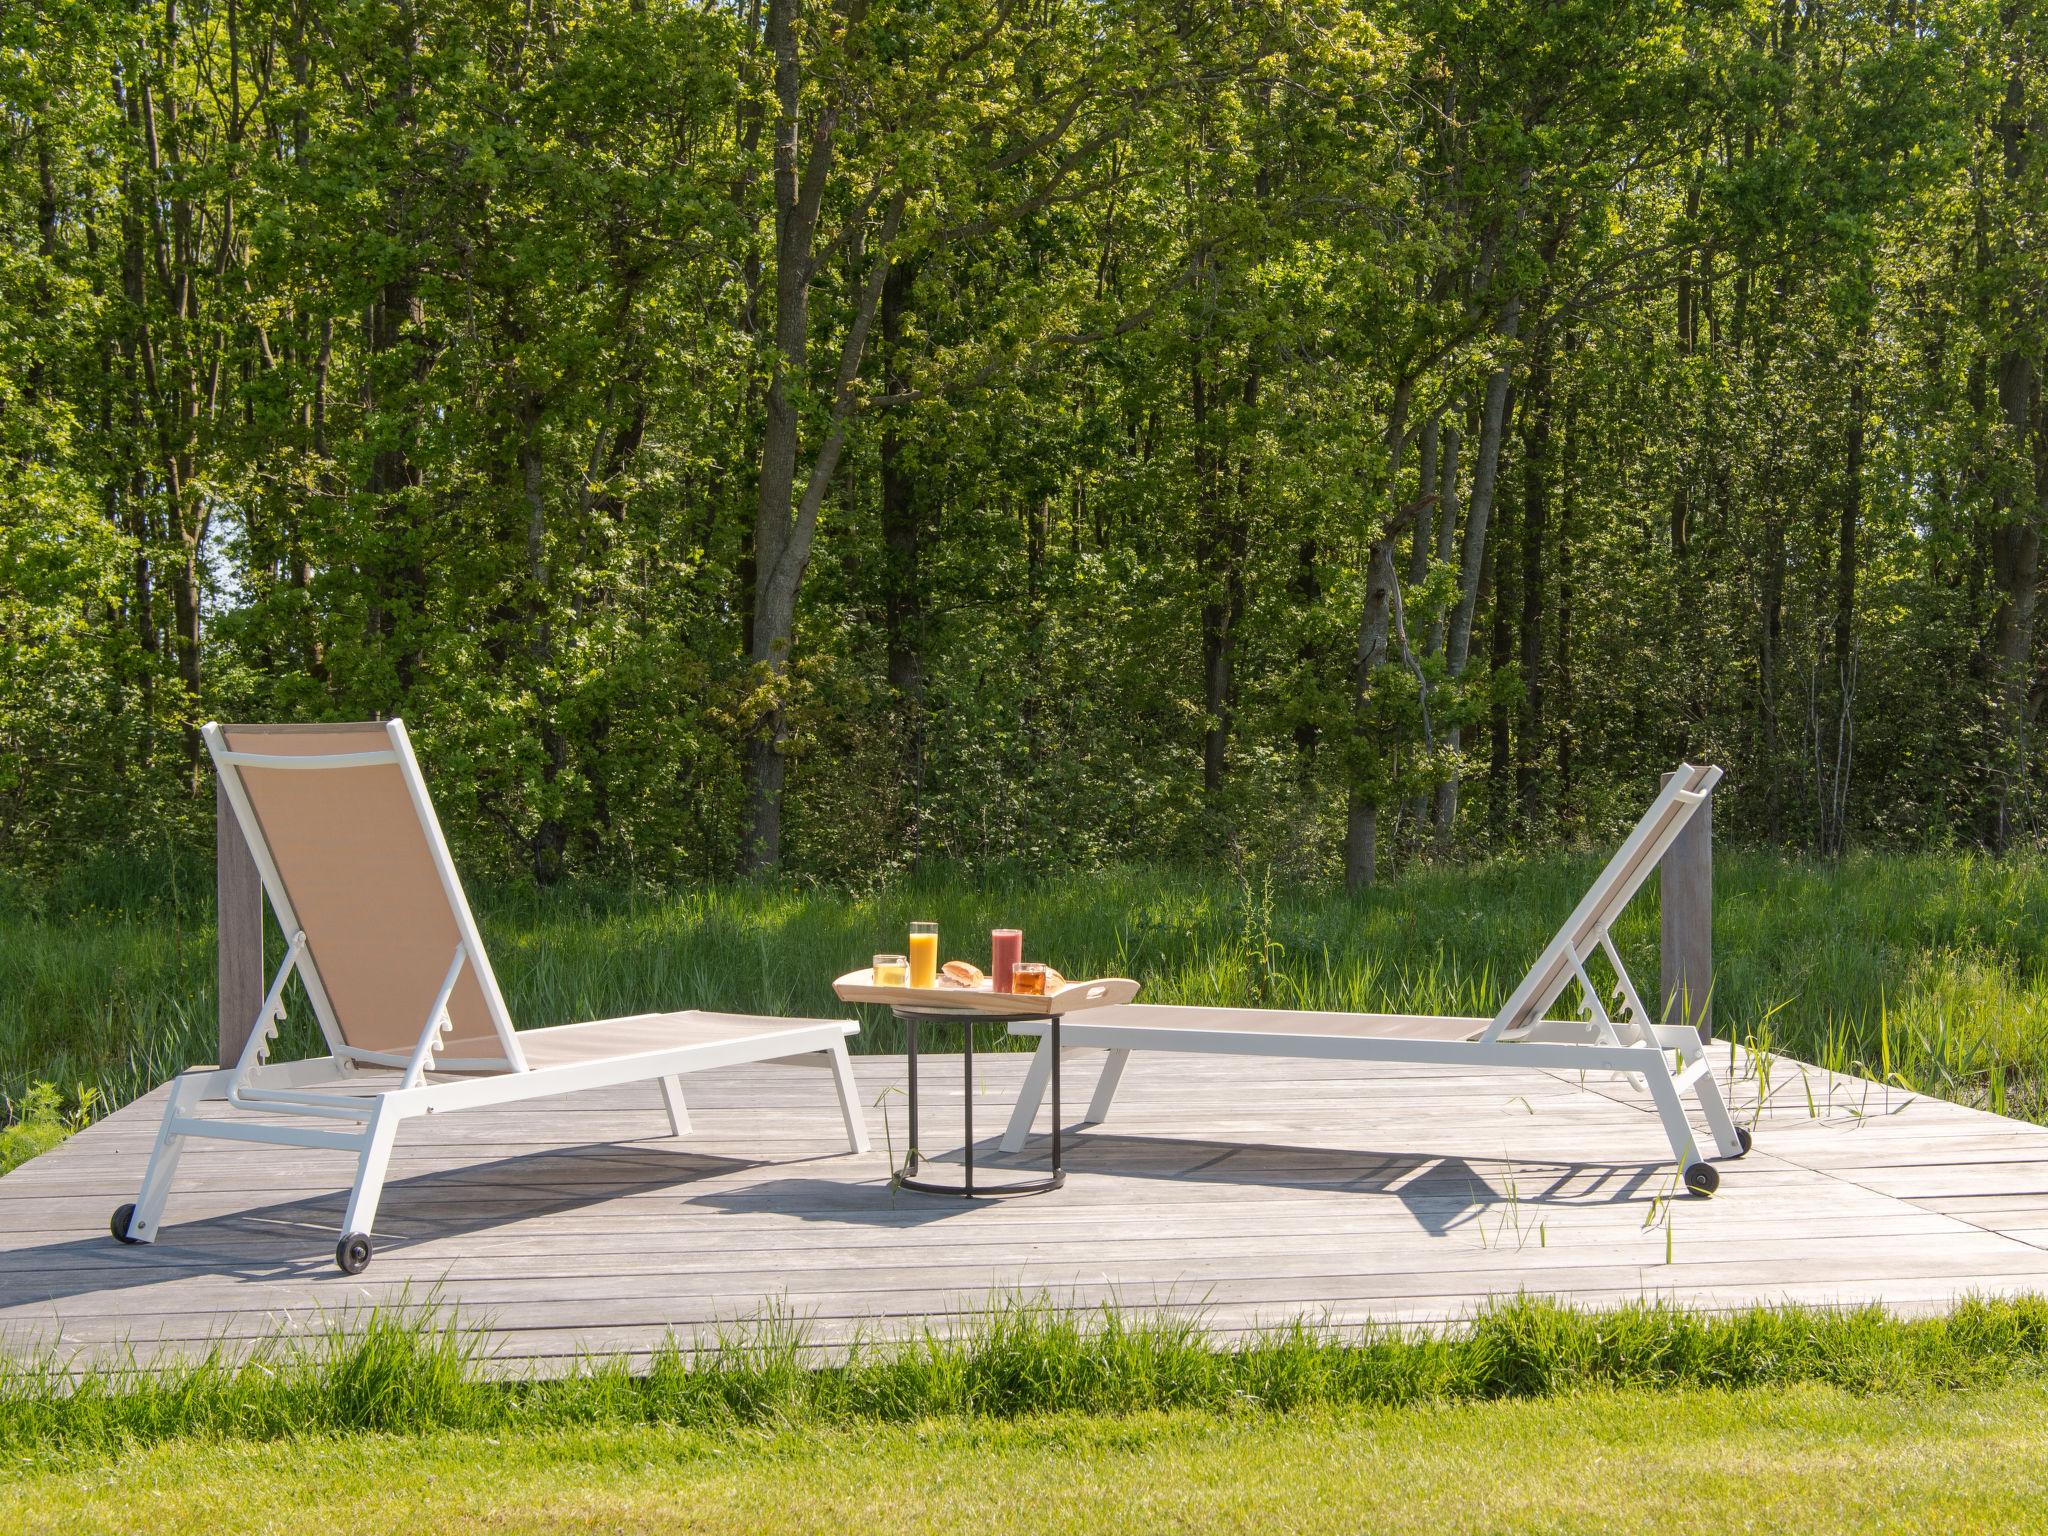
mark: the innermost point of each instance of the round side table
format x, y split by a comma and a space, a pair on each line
968, 1188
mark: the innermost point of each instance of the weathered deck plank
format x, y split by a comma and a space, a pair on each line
1241, 1193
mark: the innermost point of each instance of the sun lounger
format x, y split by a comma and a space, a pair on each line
382, 940
1629, 1040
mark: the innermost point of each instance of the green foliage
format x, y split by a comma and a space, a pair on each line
1923, 971
432, 362
408, 1371
40, 1121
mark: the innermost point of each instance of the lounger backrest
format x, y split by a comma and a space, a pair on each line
1624, 875
352, 855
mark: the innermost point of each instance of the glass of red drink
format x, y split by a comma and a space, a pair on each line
1006, 948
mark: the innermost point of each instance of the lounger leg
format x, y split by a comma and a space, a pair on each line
1719, 1121
1105, 1086
369, 1187
1029, 1097
163, 1158
1671, 1110
849, 1099
678, 1111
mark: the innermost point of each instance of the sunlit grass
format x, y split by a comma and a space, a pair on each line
411, 1370
1617, 1462
1923, 970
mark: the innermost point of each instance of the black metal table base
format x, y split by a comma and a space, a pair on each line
973, 1191
969, 1188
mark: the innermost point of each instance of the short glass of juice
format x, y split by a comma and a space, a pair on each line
1027, 978
924, 954
892, 971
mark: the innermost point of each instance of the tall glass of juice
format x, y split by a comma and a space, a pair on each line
1006, 948
924, 954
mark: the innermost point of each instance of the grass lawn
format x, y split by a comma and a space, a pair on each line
1924, 969
1804, 1457
1528, 1417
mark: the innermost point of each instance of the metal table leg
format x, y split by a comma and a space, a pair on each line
910, 1157
969, 1188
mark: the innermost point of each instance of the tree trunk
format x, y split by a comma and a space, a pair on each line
1769, 661
1567, 528
1441, 511
1499, 583
2016, 541
1220, 525
1458, 643
46, 240
187, 531
902, 537
2015, 569
1851, 514
1308, 591
786, 522
129, 490
782, 548
1536, 413
313, 651
399, 362
1210, 561
1688, 331
1362, 808
551, 835
398, 578
1446, 524
1424, 536
1833, 759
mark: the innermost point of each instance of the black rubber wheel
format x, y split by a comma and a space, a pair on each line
119, 1225
352, 1253
1702, 1178
1745, 1139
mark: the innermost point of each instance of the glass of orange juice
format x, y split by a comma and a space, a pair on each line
924, 954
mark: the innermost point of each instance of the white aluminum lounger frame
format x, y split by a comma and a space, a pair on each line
379, 1072
1629, 1041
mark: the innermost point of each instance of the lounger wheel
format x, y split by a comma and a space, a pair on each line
353, 1252
1744, 1140
119, 1225
1702, 1178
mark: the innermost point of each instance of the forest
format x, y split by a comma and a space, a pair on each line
822, 437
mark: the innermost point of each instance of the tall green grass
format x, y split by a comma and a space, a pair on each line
1924, 969
412, 1371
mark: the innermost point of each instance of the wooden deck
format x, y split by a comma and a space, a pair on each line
1249, 1192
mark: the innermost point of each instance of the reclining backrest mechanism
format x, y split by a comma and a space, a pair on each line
352, 858
1585, 932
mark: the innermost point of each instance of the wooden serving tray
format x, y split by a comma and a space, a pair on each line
861, 987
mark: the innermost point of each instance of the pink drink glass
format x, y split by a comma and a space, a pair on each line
1006, 948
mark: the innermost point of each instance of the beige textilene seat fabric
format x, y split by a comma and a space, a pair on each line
354, 861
